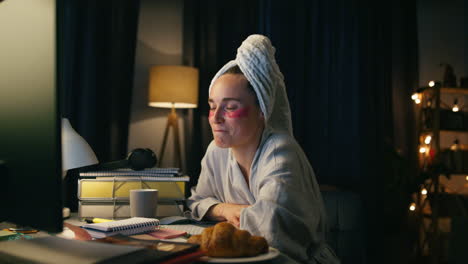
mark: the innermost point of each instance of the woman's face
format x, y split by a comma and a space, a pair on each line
235, 118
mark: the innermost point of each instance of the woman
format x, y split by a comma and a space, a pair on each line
254, 174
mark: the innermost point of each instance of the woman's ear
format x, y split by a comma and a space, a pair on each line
261, 115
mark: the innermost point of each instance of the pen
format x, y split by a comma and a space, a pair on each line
90, 220
24, 230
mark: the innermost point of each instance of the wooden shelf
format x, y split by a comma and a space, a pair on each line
434, 112
456, 132
462, 147
455, 90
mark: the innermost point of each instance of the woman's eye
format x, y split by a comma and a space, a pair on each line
230, 108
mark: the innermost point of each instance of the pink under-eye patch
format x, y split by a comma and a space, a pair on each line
241, 112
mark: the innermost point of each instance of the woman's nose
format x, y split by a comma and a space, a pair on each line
217, 115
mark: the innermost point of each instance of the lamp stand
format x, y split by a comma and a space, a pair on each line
172, 119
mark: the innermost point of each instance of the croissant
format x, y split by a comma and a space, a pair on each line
226, 241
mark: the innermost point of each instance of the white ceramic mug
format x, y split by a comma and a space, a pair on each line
143, 203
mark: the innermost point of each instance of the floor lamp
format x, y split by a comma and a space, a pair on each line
173, 87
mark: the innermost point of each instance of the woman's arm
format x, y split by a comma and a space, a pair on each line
226, 212
208, 197
205, 194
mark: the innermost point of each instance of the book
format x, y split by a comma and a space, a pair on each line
168, 170
7, 235
153, 172
56, 250
130, 226
146, 178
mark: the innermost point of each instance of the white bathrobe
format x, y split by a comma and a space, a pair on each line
286, 206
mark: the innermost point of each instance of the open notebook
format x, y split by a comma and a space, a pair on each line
189, 228
127, 227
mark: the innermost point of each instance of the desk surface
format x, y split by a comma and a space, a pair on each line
75, 221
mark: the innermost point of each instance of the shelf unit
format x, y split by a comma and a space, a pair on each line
454, 90
433, 228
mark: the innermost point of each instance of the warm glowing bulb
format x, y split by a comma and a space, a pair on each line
431, 84
424, 191
417, 101
412, 207
422, 150
427, 140
414, 96
455, 108
466, 178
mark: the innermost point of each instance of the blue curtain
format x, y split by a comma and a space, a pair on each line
319, 49
96, 43
96, 57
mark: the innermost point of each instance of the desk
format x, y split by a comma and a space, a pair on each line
75, 221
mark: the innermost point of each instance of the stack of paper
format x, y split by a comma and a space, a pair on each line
152, 172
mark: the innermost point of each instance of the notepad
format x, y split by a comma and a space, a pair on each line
127, 227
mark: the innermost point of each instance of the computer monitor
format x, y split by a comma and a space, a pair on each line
30, 148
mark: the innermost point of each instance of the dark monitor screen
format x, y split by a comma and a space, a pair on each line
30, 148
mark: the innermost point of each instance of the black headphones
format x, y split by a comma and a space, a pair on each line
137, 159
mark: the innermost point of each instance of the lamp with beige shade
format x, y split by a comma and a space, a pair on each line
172, 86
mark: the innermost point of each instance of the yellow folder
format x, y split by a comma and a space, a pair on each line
109, 188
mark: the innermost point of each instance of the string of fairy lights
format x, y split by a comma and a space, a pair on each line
417, 97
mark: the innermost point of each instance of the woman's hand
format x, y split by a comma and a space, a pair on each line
226, 212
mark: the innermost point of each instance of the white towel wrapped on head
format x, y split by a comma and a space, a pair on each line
256, 59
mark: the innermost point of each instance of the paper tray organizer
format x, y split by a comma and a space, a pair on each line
110, 189
109, 197
121, 209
